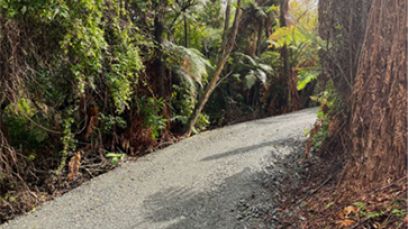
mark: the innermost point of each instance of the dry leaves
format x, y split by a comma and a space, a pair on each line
345, 223
406, 220
345, 216
347, 212
350, 210
73, 166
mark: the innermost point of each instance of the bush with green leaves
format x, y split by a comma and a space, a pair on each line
71, 56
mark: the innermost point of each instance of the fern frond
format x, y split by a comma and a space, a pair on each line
190, 65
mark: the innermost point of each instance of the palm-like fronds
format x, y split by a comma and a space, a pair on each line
189, 64
252, 69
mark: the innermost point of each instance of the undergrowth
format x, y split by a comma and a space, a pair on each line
85, 83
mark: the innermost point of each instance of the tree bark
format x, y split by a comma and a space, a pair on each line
342, 25
284, 8
160, 81
288, 75
378, 124
227, 47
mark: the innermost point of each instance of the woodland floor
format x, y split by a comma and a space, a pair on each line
233, 177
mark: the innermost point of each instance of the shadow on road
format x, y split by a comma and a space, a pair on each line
247, 199
242, 150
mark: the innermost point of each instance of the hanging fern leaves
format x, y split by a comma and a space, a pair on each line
304, 46
252, 69
189, 64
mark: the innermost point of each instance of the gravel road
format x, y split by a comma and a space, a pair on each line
225, 178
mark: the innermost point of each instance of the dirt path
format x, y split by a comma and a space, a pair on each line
226, 178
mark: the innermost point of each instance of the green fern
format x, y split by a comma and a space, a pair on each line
189, 64
252, 69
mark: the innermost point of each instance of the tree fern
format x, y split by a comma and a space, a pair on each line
188, 64
252, 69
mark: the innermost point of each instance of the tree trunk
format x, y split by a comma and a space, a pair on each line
160, 81
284, 8
226, 50
378, 124
289, 77
342, 25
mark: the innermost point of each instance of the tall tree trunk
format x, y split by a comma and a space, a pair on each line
342, 25
378, 124
227, 47
160, 81
284, 8
259, 37
288, 75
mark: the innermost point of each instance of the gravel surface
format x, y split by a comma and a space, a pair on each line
225, 178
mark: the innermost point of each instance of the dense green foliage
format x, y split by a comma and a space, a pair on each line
106, 78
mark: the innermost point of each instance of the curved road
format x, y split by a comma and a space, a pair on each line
212, 180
